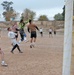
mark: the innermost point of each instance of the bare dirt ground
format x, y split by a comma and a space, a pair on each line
44, 59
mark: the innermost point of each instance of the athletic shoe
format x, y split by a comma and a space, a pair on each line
12, 52
4, 64
26, 41
30, 46
20, 52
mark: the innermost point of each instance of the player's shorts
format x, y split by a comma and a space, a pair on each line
54, 32
33, 34
41, 32
50, 32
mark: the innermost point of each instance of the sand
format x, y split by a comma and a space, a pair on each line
45, 59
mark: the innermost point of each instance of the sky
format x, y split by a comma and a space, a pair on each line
40, 7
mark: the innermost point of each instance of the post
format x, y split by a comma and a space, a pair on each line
67, 37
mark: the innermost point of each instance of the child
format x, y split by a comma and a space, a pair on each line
15, 44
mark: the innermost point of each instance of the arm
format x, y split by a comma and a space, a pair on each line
17, 29
26, 21
28, 29
37, 28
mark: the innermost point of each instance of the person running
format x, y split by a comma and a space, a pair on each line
15, 44
32, 29
15, 29
21, 30
41, 32
2, 58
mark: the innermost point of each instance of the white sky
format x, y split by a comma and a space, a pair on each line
41, 7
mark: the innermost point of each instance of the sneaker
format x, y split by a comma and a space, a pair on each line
26, 41
12, 44
30, 46
12, 52
20, 52
4, 64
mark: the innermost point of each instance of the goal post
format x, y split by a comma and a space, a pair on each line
67, 50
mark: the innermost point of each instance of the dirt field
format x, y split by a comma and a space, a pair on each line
44, 59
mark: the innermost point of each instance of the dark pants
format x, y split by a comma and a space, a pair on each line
22, 37
15, 46
22, 34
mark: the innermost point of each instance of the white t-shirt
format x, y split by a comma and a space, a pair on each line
41, 30
11, 35
50, 30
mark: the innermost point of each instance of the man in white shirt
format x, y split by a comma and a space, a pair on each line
15, 44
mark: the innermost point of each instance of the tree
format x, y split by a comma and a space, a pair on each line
63, 13
28, 14
43, 18
9, 11
58, 17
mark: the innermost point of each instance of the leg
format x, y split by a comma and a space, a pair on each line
31, 42
2, 58
19, 49
33, 35
25, 39
41, 34
34, 39
2, 54
49, 34
13, 48
22, 37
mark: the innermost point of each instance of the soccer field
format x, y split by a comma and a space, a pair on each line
45, 59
